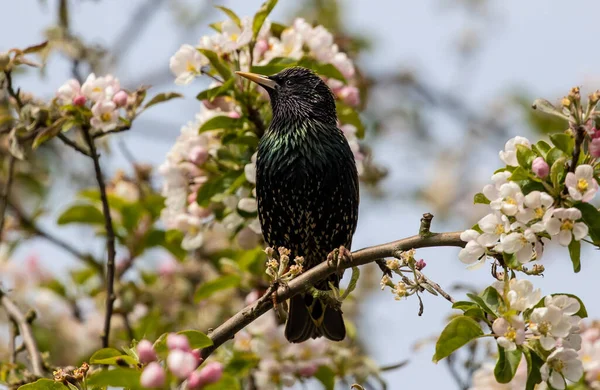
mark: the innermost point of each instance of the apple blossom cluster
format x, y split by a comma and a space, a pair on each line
104, 95
520, 219
283, 364
187, 170
182, 362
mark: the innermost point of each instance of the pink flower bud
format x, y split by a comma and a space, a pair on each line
308, 370
79, 100
420, 264
178, 342
198, 355
350, 96
153, 376
146, 352
540, 167
210, 373
595, 147
194, 381
191, 199
182, 363
167, 267
120, 98
198, 155
261, 47
234, 115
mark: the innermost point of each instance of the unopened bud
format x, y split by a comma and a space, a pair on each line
4, 61
566, 102
79, 100
120, 98
419, 265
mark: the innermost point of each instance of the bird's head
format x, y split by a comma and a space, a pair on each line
297, 93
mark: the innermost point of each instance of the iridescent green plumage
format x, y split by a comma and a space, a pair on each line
307, 190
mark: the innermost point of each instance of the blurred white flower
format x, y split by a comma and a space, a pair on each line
105, 115
290, 46
581, 184
562, 364
233, 37
68, 91
521, 295
186, 64
473, 250
494, 226
509, 154
562, 223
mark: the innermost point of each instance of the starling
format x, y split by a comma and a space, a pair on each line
307, 189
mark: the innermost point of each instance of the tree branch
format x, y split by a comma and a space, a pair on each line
29, 224
247, 315
25, 330
73, 144
110, 237
6, 191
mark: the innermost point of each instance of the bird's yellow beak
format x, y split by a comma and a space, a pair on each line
258, 79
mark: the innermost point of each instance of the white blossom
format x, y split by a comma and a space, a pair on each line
68, 91
581, 184
186, 64
562, 364
248, 205
510, 332
562, 223
521, 295
521, 244
233, 37
290, 45
94, 88
509, 154
473, 250
550, 323
105, 115
492, 191
536, 204
510, 199
494, 226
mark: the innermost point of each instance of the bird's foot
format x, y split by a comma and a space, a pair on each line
338, 257
330, 297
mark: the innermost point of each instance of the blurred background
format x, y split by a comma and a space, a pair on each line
446, 83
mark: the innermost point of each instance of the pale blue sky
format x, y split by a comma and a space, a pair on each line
544, 47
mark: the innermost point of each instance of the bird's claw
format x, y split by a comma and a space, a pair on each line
338, 257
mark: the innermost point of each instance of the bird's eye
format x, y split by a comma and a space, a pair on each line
289, 82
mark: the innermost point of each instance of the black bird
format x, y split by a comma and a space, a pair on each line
307, 189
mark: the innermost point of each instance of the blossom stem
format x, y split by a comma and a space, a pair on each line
300, 284
6, 191
110, 237
73, 144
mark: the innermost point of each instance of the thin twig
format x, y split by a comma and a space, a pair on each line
73, 144
128, 328
6, 191
25, 330
110, 237
11, 91
247, 315
119, 129
579, 137
14, 332
30, 225
435, 286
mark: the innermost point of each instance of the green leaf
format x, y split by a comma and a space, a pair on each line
82, 213
241, 363
480, 198
227, 382
575, 253
80, 276
169, 240
457, 333
111, 357
326, 70
542, 148
207, 289
46, 135
534, 364
261, 15
553, 155
489, 300
557, 172
519, 174
348, 115
117, 377
221, 67
217, 26
463, 305
326, 376
215, 186
591, 217
43, 384
507, 364
221, 122
543, 105
564, 142
35, 48
220, 90
276, 65
232, 15
162, 97
525, 156
277, 29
